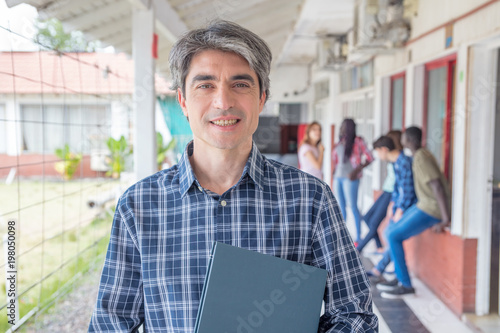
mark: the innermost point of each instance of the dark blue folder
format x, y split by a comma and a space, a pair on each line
250, 292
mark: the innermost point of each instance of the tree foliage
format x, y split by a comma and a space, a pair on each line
52, 35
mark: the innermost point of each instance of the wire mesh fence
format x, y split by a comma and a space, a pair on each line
57, 112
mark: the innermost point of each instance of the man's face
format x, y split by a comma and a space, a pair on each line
404, 141
315, 133
222, 100
382, 153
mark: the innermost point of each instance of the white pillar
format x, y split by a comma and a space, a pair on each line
119, 119
417, 116
479, 154
409, 93
333, 113
13, 128
460, 203
144, 93
379, 122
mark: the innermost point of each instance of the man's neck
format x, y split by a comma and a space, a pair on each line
414, 149
218, 169
393, 155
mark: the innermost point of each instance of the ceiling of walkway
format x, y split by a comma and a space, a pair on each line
292, 28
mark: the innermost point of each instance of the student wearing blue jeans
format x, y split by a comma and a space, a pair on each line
375, 216
347, 160
382, 206
403, 195
431, 210
346, 191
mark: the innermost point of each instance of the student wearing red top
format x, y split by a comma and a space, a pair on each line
349, 157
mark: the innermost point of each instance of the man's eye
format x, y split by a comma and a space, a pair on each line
204, 86
241, 85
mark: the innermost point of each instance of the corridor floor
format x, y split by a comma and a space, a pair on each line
420, 313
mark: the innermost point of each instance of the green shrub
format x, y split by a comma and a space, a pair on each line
119, 150
70, 162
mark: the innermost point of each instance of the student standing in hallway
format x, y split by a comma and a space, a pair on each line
349, 157
311, 151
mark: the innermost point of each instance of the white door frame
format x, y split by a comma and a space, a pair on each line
481, 105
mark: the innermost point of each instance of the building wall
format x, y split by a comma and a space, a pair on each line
291, 84
447, 264
36, 166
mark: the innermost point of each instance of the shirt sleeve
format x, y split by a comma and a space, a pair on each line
335, 158
395, 195
405, 185
119, 306
304, 148
427, 168
348, 299
365, 151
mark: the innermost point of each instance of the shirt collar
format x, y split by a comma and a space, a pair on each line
254, 168
186, 174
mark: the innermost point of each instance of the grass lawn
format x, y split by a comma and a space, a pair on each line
58, 236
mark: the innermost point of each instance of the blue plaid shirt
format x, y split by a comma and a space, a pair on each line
403, 195
165, 225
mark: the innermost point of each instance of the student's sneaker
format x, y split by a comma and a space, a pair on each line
388, 285
398, 292
376, 279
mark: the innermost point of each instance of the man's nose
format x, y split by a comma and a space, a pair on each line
223, 99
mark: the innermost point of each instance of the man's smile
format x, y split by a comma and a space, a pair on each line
225, 122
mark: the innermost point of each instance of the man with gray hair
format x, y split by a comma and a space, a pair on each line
222, 190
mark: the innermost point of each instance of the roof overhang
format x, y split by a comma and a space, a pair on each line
292, 28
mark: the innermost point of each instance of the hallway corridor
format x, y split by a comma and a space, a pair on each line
420, 313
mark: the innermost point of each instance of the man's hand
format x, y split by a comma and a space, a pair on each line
441, 226
397, 216
439, 193
353, 175
389, 212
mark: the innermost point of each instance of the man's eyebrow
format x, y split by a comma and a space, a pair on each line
203, 77
208, 77
245, 77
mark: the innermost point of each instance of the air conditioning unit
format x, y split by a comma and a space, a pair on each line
392, 26
380, 26
332, 52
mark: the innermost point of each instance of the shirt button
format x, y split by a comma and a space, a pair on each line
223, 203
199, 188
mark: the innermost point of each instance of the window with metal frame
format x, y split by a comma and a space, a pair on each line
46, 127
439, 104
397, 102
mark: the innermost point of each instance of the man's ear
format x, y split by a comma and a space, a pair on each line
262, 101
182, 101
